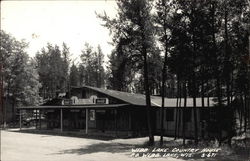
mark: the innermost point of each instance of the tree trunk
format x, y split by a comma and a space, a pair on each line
179, 113
164, 76
218, 81
176, 111
240, 109
162, 113
227, 63
13, 115
202, 100
194, 84
183, 113
218, 88
1, 94
202, 93
245, 113
208, 101
195, 121
228, 75
147, 93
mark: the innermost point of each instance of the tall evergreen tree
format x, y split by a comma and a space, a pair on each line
134, 23
163, 22
92, 66
53, 67
65, 67
121, 67
74, 76
19, 76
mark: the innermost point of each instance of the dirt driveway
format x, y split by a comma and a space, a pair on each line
20, 146
16, 146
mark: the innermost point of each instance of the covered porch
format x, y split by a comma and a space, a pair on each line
118, 120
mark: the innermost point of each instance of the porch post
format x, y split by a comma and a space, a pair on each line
20, 119
36, 117
87, 120
130, 122
61, 121
116, 122
40, 119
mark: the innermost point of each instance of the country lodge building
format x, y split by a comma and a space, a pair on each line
91, 110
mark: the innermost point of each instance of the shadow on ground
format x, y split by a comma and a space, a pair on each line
236, 153
114, 147
48, 133
100, 147
226, 154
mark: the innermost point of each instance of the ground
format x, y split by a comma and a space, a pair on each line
24, 146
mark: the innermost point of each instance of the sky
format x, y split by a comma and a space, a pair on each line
72, 22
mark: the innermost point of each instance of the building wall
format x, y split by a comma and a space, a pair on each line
170, 122
125, 121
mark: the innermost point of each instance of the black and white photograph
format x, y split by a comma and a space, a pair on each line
127, 80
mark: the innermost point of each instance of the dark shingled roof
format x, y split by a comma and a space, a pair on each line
93, 106
171, 102
131, 98
139, 99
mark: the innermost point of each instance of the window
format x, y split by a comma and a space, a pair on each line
92, 115
169, 114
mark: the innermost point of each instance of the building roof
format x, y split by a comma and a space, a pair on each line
131, 98
93, 106
139, 99
171, 102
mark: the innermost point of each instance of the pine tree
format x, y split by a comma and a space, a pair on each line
134, 23
19, 76
92, 66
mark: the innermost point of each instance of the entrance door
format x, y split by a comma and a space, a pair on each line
100, 120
